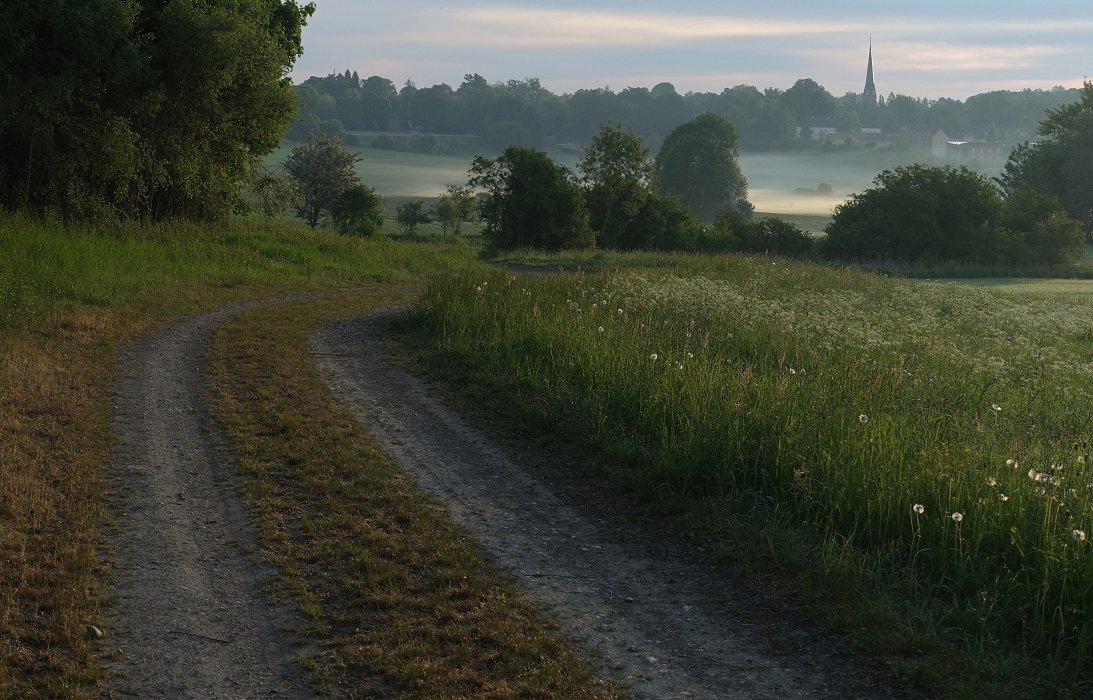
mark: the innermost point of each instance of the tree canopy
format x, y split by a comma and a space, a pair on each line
142, 108
1061, 164
322, 170
530, 202
698, 163
919, 213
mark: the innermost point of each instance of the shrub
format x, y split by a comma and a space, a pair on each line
358, 210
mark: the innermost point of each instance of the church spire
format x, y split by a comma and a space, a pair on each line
869, 95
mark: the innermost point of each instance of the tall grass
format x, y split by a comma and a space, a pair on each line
938, 433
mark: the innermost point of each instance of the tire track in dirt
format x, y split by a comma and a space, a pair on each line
652, 612
191, 617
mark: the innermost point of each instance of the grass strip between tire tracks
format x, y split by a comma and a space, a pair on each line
396, 599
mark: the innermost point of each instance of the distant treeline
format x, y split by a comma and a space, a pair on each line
524, 113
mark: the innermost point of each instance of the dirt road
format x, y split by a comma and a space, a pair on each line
646, 605
192, 617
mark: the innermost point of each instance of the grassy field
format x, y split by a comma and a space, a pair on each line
916, 442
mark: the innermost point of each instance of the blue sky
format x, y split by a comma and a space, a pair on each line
925, 49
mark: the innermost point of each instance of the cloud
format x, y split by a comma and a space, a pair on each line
495, 26
938, 57
515, 26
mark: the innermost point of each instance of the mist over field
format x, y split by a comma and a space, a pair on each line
775, 180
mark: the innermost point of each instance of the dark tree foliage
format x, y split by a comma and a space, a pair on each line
617, 177
530, 202
358, 210
1061, 164
321, 170
410, 215
733, 233
151, 108
698, 164
917, 213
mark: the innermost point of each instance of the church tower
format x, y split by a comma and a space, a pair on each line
869, 95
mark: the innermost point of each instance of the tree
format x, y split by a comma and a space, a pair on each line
358, 210
698, 164
141, 108
530, 202
1061, 164
322, 169
454, 208
918, 213
410, 215
617, 176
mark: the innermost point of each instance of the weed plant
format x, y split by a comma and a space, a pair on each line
936, 435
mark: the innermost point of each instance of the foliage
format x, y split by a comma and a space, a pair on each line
271, 194
1061, 164
142, 109
321, 170
763, 119
769, 235
830, 402
454, 208
617, 177
697, 163
410, 215
918, 213
358, 210
530, 202
926, 214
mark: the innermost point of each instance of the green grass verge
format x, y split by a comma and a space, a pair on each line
822, 405
398, 602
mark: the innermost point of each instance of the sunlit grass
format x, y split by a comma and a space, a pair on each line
938, 432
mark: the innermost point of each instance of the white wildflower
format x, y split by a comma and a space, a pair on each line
863, 418
1078, 535
1003, 497
653, 357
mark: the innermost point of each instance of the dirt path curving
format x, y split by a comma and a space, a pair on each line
658, 618
192, 617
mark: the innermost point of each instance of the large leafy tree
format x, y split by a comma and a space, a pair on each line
530, 202
1061, 164
698, 163
917, 212
144, 108
617, 177
322, 171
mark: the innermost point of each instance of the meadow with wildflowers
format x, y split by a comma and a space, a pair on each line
937, 433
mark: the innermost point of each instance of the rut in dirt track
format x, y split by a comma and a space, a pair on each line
191, 619
657, 617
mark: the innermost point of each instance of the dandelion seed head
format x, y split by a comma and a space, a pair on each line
1011, 463
653, 357
601, 329
957, 517
1078, 535
992, 481
1003, 497
918, 508
863, 418
996, 407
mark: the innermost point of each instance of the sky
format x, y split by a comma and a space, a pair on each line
929, 48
